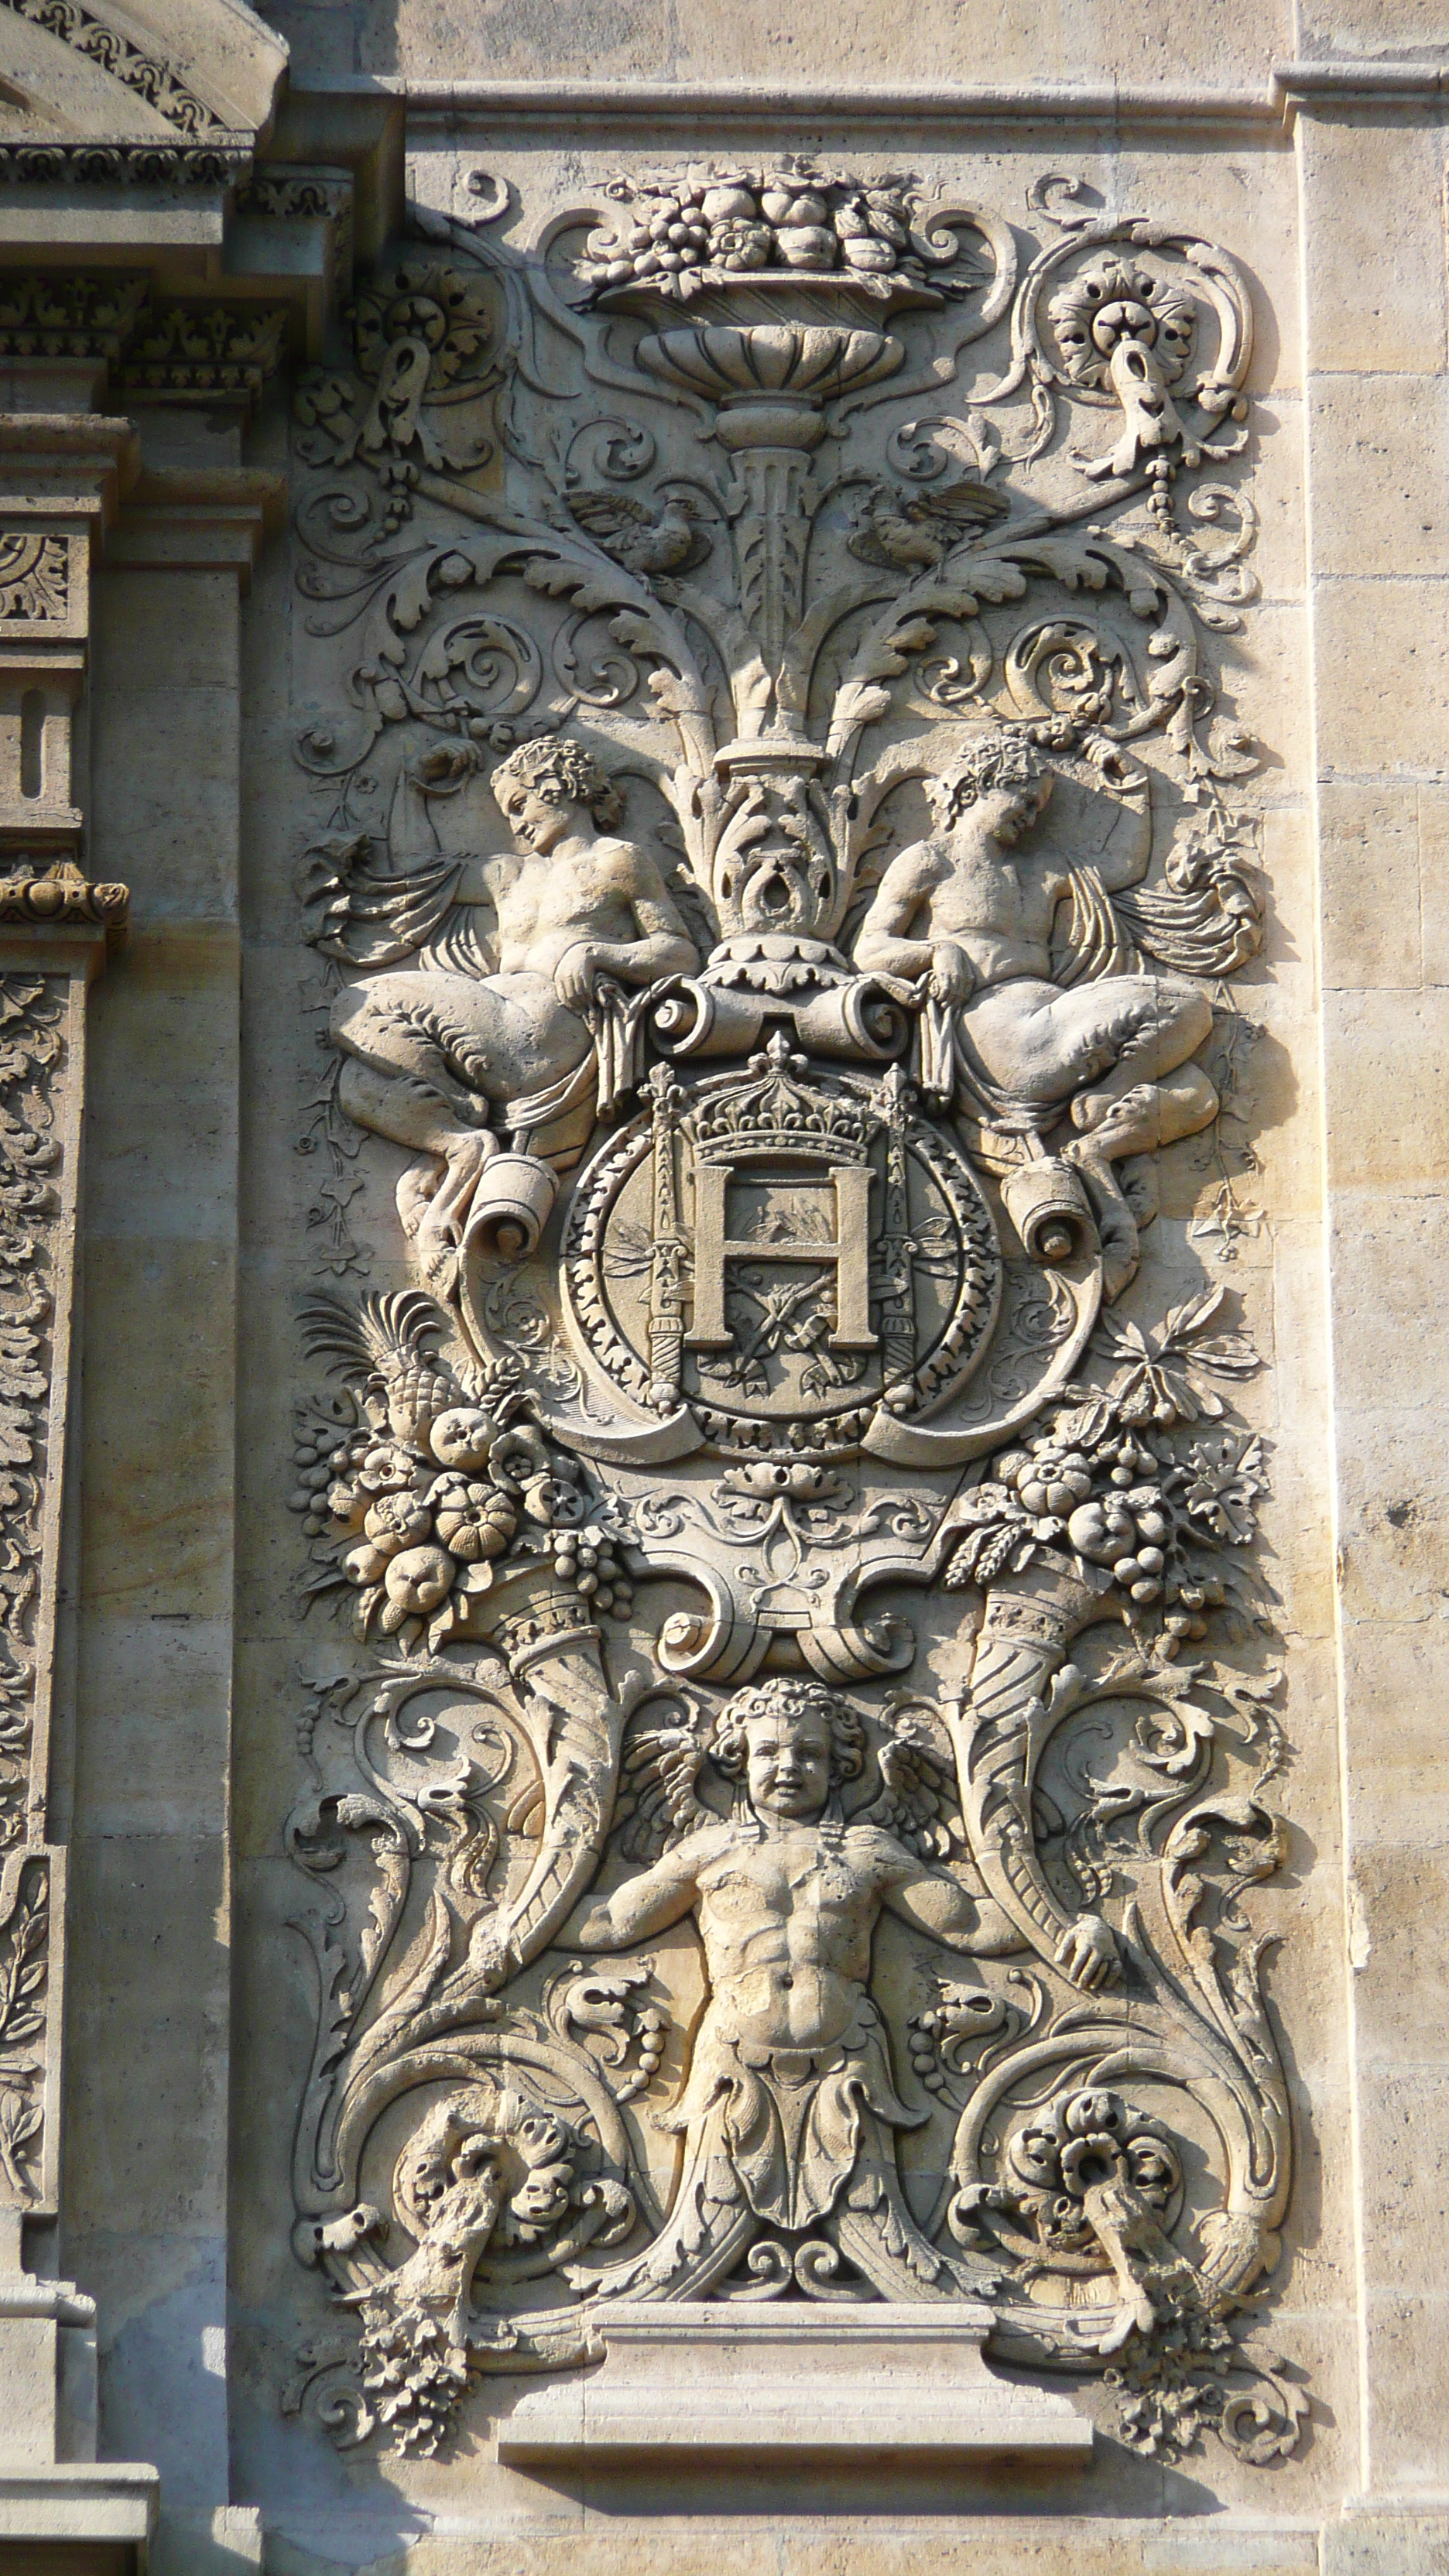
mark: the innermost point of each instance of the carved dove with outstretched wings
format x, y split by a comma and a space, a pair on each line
919, 529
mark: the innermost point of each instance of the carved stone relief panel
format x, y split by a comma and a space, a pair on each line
782, 1828
52, 940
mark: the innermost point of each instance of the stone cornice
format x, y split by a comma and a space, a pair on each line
1321, 88
615, 103
154, 351
220, 162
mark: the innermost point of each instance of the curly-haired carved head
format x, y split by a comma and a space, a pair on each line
791, 1742
1002, 760
557, 774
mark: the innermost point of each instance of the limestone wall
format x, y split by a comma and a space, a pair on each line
1024, 2148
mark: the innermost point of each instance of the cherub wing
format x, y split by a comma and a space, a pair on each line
664, 1753
918, 1800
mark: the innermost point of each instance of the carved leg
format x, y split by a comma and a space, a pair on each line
708, 2229
1133, 1122
426, 1055
433, 1198
1141, 1030
876, 2232
398, 1078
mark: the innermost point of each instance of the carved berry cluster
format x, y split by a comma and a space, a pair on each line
1119, 1506
419, 1496
675, 227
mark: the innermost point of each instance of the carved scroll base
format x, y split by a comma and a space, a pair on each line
682, 2385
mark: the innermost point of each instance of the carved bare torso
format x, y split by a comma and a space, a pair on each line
996, 905
547, 904
787, 1925
786, 1909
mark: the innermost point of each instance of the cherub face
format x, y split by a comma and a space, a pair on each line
1009, 811
788, 1764
538, 819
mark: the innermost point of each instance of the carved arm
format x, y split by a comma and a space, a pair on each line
1126, 848
885, 944
934, 1902
653, 1901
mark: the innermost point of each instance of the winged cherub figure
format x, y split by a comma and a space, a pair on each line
434, 1055
790, 2107
971, 913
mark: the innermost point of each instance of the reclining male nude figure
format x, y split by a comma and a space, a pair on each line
970, 912
432, 1054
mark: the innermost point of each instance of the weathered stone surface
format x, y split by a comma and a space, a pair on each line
623, 1102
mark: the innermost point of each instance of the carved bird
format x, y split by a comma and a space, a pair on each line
629, 531
919, 529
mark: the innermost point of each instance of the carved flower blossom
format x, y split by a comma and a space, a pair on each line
1049, 1479
390, 1468
1120, 300
741, 245
426, 307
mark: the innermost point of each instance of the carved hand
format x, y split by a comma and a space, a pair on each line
573, 976
1117, 773
1087, 1951
952, 974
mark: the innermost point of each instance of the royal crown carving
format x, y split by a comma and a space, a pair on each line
780, 857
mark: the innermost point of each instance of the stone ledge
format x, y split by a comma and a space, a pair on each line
214, 519
87, 2518
1388, 2537
612, 103
792, 2382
